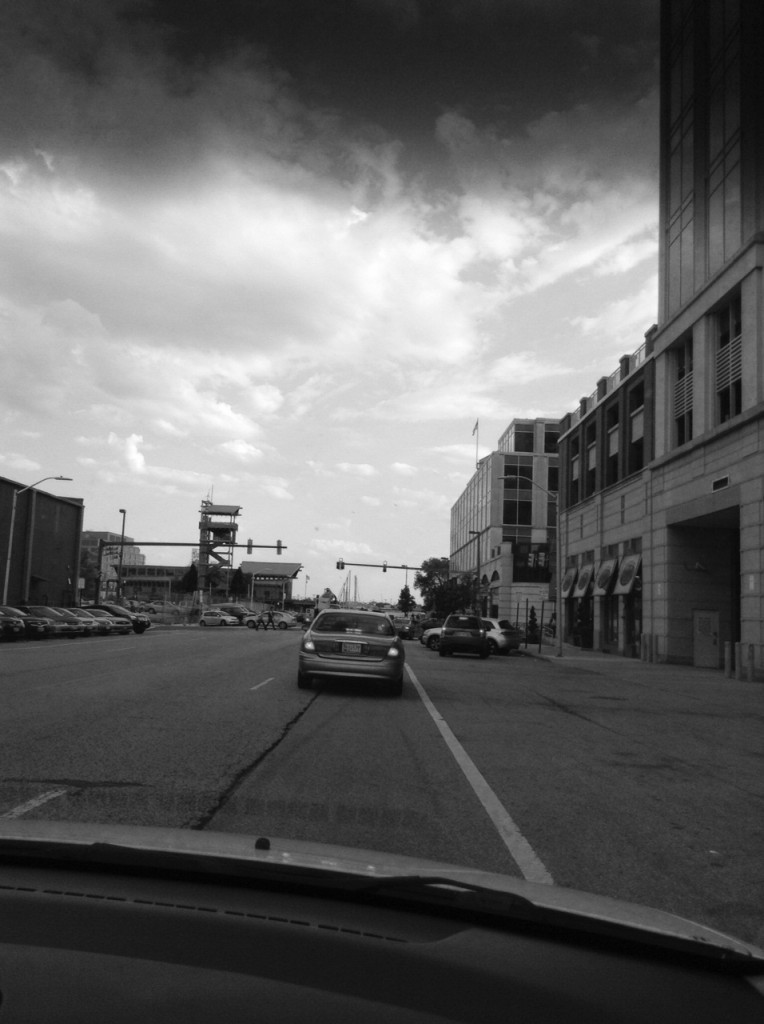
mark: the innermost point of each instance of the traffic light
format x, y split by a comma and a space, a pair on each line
384, 566
278, 547
340, 563
249, 546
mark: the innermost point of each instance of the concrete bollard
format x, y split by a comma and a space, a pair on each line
728, 659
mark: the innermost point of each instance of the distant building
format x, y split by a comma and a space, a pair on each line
270, 582
662, 468
503, 524
102, 549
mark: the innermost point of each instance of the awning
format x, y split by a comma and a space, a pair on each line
604, 577
627, 577
584, 579
568, 580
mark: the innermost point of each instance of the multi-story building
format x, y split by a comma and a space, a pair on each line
662, 469
503, 524
39, 545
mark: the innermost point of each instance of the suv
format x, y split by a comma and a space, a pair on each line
463, 633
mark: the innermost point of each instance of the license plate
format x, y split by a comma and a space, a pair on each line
462, 632
348, 648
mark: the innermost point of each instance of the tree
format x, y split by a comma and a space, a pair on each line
430, 580
406, 602
441, 592
190, 580
533, 626
238, 583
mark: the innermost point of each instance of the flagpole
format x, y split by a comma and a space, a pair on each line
476, 432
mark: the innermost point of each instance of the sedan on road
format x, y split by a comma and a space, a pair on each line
213, 617
346, 644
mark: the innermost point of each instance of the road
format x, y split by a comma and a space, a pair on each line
610, 777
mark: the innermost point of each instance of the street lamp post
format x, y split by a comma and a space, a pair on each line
555, 496
16, 494
121, 557
477, 534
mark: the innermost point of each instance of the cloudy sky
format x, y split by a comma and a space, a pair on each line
285, 253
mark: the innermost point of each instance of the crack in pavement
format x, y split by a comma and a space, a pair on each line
225, 795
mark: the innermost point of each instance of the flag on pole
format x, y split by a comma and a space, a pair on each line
474, 429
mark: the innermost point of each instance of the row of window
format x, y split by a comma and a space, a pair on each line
727, 372
622, 448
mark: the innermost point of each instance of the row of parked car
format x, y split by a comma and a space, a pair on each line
239, 615
40, 622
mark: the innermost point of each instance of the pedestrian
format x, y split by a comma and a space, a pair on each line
271, 622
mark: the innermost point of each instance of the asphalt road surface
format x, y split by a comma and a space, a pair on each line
610, 777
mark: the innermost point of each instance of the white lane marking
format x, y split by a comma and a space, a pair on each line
35, 802
262, 684
519, 848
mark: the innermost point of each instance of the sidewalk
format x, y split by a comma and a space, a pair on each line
573, 655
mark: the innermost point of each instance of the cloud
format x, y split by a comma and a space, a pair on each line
241, 450
404, 469
357, 469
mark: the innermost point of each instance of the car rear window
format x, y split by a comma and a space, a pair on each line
328, 623
462, 622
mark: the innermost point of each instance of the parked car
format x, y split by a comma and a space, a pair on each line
115, 625
343, 643
93, 625
214, 617
281, 620
463, 634
503, 637
36, 627
61, 625
431, 637
423, 625
139, 620
11, 626
239, 611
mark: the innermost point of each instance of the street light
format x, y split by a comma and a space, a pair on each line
555, 496
16, 494
121, 556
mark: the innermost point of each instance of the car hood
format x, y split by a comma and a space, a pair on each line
354, 872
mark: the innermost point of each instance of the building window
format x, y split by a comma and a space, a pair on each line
682, 359
612, 426
729, 361
681, 172
636, 428
552, 479
551, 436
723, 135
523, 441
591, 459
518, 512
575, 470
